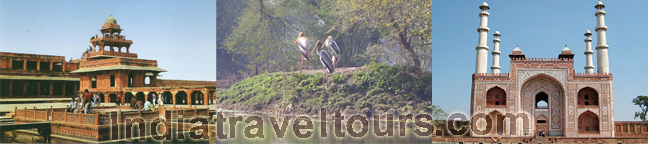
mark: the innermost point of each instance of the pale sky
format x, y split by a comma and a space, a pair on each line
180, 34
541, 28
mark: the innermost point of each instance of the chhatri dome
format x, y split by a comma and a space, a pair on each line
566, 49
517, 49
484, 4
111, 20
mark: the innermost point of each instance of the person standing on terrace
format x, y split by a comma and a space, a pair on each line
118, 100
86, 101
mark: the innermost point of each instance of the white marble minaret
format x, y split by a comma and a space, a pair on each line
589, 65
602, 47
482, 48
496, 53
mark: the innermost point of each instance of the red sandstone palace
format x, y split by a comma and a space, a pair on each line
105, 69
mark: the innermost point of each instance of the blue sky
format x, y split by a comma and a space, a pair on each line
180, 35
541, 28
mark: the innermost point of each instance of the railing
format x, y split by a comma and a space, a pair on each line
542, 107
492, 74
42, 115
542, 59
592, 75
114, 61
43, 72
101, 118
20, 113
36, 56
59, 116
72, 117
35, 114
110, 39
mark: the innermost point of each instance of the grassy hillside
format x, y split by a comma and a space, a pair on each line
374, 88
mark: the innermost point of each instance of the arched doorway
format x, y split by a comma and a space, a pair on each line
140, 96
495, 122
588, 122
587, 97
127, 97
541, 125
542, 100
495, 97
540, 89
197, 97
101, 97
168, 97
181, 97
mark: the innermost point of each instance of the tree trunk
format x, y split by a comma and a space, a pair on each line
408, 47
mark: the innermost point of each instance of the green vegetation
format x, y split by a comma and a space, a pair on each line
642, 102
257, 36
374, 88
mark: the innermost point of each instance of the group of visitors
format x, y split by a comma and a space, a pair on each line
144, 106
84, 103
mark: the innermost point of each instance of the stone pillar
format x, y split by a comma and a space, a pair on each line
38, 83
25, 87
63, 66
51, 66
51, 89
76, 87
10, 87
38, 65
189, 98
205, 97
107, 98
10, 63
173, 93
628, 127
127, 47
63, 89
146, 96
25, 65
119, 49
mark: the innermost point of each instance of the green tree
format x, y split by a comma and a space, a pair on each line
438, 115
261, 36
406, 22
228, 64
265, 32
642, 102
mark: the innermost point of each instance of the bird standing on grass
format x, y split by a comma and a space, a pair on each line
333, 47
305, 47
325, 58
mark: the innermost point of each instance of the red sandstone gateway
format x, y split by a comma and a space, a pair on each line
556, 100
